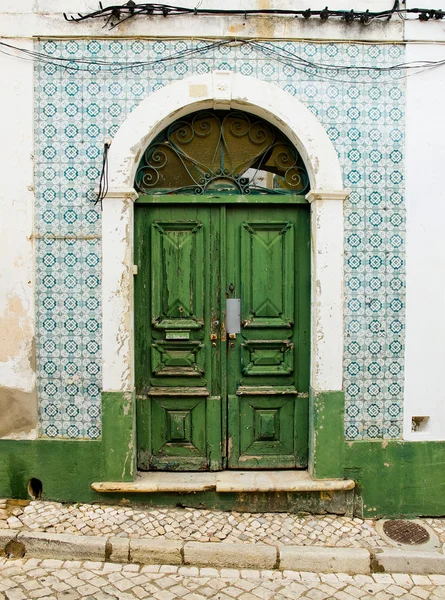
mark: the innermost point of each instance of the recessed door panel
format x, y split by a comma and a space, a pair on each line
266, 273
177, 251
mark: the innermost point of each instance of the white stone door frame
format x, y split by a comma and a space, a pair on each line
224, 90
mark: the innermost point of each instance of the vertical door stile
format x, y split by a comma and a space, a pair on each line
223, 338
302, 324
215, 413
142, 245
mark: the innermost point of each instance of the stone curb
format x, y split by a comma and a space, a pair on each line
222, 555
393, 560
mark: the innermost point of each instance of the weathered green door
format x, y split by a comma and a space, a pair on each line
267, 268
207, 398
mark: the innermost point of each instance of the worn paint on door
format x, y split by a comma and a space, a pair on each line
208, 399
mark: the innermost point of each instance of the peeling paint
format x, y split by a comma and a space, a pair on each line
15, 329
18, 410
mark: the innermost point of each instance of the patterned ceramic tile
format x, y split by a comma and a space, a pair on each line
362, 110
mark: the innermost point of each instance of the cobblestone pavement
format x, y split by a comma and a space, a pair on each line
69, 580
197, 525
190, 524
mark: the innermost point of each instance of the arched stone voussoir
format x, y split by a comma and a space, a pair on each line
224, 90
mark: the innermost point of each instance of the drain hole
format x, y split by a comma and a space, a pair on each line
35, 488
14, 549
406, 532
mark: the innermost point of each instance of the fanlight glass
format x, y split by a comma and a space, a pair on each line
221, 151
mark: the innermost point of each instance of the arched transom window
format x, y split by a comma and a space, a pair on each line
221, 151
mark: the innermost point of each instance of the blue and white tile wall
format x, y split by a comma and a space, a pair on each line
362, 110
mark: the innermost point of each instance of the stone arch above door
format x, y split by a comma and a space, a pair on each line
224, 90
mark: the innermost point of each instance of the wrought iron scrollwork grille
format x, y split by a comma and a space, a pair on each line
232, 152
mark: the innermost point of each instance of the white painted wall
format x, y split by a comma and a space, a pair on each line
45, 18
425, 260
421, 30
17, 377
425, 158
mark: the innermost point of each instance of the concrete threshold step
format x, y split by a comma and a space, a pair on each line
225, 481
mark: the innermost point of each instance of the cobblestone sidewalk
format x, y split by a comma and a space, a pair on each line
196, 525
57, 580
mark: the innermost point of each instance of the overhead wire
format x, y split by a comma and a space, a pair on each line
322, 71
117, 14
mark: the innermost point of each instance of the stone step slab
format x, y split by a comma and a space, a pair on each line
225, 482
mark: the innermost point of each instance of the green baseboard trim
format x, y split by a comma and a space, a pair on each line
398, 478
65, 468
326, 434
119, 435
394, 478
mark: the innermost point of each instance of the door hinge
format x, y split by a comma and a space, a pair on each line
134, 269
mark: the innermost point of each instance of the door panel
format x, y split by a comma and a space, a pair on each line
177, 368
207, 400
267, 267
179, 433
267, 272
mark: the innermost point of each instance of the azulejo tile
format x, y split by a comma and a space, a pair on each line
77, 107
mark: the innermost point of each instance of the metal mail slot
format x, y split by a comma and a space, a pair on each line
233, 315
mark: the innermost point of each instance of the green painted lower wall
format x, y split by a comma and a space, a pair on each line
398, 478
326, 434
119, 436
67, 468
394, 478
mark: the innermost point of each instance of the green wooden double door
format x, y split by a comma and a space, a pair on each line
222, 383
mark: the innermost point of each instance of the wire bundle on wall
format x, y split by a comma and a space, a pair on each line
103, 181
116, 14
274, 51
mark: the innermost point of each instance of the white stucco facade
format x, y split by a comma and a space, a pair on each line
425, 249
424, 149
17, 297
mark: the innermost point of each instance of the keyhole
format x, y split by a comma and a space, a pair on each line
231, 287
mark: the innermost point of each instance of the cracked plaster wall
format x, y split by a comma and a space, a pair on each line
18, 398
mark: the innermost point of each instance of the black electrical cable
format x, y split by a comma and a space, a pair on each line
323, 71
103, 181
67, 63
273, 49
123, 12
